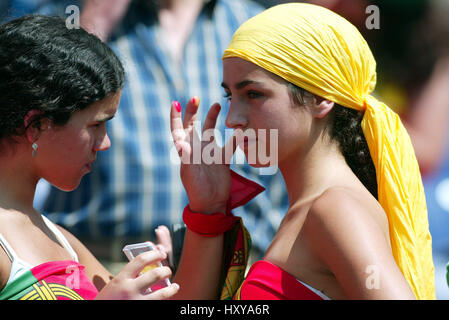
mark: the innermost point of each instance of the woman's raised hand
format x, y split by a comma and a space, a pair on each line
204, 173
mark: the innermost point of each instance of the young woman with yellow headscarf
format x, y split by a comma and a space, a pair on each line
357, 221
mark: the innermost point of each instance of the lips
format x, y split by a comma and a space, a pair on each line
245, 142
89, 165
245, 139
249, 142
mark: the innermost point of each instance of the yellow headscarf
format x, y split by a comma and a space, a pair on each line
321, 52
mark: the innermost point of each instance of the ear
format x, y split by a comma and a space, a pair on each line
33, 125
322, 108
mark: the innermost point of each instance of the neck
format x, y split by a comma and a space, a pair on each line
309, 174
17, 183
177, 18
175, 14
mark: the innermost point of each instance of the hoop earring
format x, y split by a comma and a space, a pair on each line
34, 146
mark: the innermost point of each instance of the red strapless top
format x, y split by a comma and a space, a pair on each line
267, 281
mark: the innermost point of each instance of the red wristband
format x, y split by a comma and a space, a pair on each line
212, 225
208, 225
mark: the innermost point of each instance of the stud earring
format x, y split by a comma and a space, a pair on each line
34, 146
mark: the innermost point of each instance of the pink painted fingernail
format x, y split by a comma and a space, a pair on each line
177, 106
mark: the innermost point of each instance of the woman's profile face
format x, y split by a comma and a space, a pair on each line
66, 153
260, 106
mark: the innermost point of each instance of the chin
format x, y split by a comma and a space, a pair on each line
266, 169
261, 163
67, 187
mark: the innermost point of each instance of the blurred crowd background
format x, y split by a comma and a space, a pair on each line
410, 41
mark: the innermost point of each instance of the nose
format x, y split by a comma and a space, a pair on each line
103, 143
237, 116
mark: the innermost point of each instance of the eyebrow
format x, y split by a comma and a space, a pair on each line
241, 84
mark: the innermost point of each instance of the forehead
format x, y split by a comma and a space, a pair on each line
237, 69
104, 108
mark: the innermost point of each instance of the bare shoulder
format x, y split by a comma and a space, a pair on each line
5, 260
95, 270
348, 232
341, 208
5, 267
340, 218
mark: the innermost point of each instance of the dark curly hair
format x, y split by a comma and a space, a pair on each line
345, 128
47, 67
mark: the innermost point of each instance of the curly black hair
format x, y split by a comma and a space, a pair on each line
53, 69
345, 128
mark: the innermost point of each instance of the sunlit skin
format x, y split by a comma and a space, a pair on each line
329, 208
71, 150
64, 155
259, 101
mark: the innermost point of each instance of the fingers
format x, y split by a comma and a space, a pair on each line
147, 271
164, 293
133, 268
176, 121
179, 135
165, 243
156, 277
212, 116
176, 125
153, 276
181, 128
164, 238
191, 111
